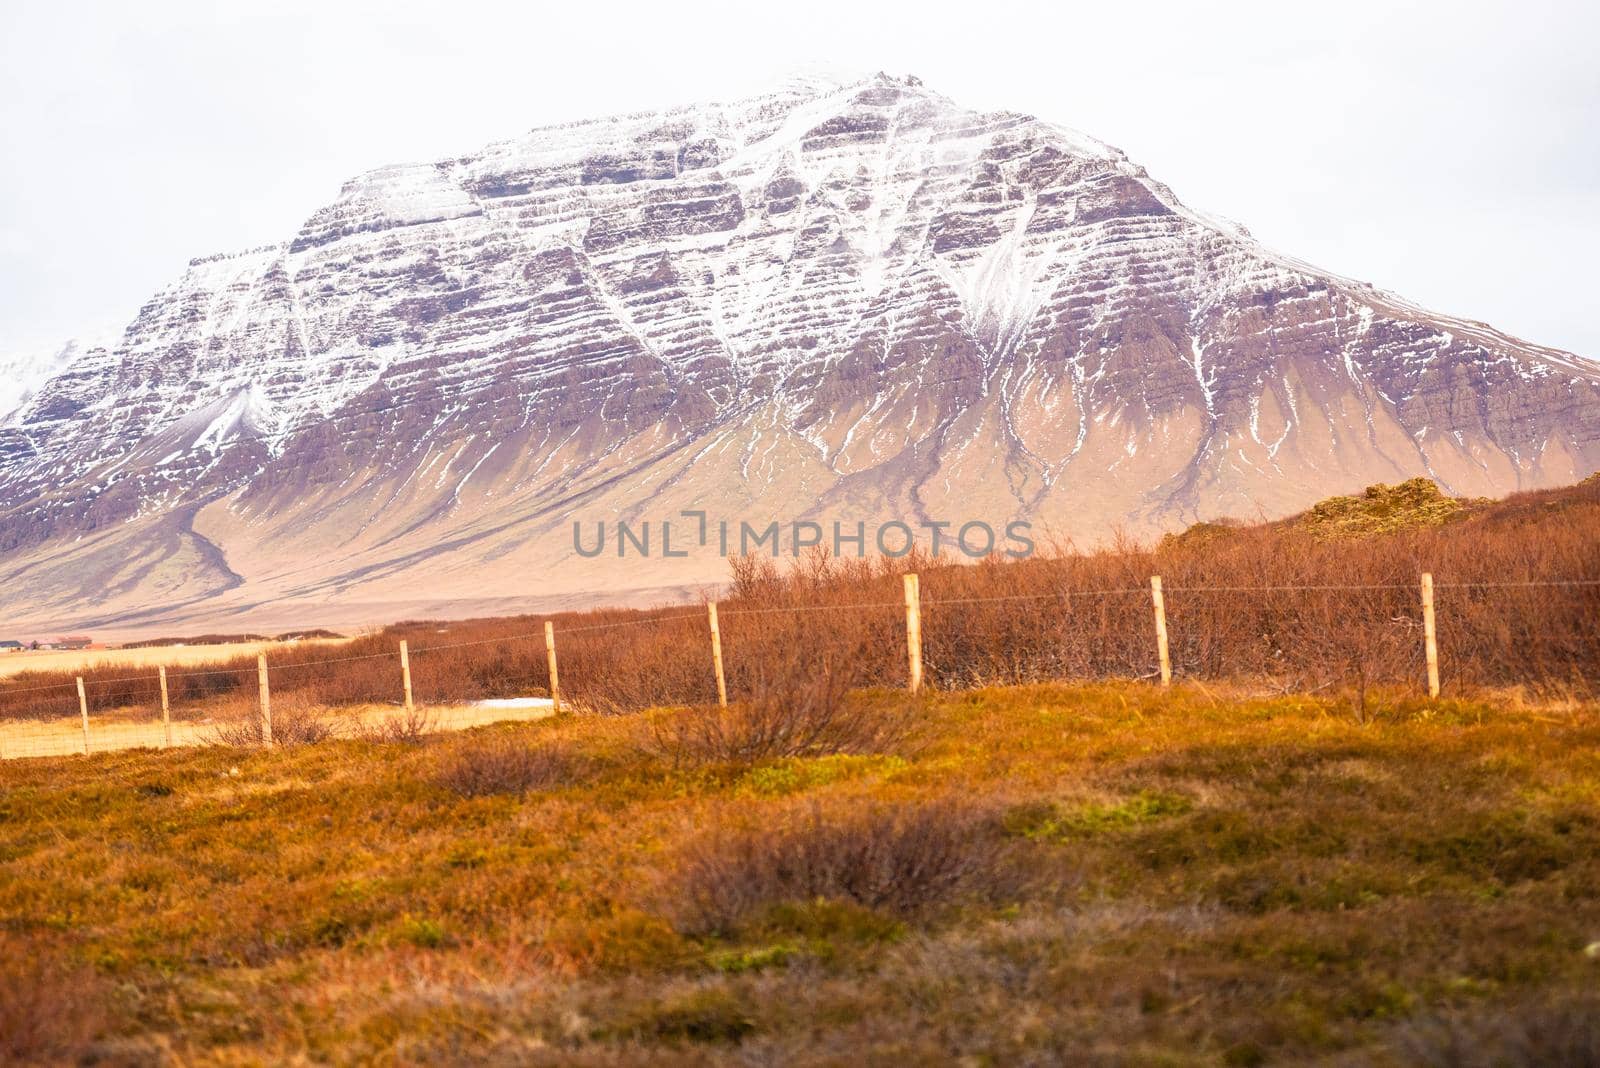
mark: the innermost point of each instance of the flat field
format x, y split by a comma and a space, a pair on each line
1087, 874
148, 658
143, 729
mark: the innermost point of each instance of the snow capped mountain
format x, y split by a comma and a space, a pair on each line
855, 301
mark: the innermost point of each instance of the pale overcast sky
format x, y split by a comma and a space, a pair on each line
1448, 151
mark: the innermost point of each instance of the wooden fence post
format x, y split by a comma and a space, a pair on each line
1430, 638
405, 671
1160, 603
914, 631
555, 679
266, 699
716, 655
83, 709
166, 711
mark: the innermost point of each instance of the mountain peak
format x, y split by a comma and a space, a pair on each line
839, 299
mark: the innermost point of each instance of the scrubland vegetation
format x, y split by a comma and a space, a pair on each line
1095, 873
1326, 602
1290, 856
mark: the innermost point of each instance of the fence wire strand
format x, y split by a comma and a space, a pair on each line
98, 692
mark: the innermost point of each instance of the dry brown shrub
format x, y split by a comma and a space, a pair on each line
903, 859
48, 1014
406, 726
1565, 1032
507, 766
805, 715
294, 722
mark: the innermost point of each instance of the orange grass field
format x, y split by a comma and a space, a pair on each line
1099, 873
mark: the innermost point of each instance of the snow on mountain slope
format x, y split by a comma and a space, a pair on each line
23, 373
856, 301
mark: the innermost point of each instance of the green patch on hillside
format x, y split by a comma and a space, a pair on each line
1383, 509
1049, 822
1201, 535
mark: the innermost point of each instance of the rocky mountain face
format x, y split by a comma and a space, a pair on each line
832, 302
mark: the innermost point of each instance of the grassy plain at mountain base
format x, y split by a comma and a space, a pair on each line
145, 658
1096, 874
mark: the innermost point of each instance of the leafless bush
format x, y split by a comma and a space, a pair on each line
293, 723
804, 715
507, 766
901, 858
409, 726
48, 1015
1523, 1036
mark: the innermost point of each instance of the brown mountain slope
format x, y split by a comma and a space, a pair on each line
850, 303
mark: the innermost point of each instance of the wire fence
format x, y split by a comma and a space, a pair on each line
418, 678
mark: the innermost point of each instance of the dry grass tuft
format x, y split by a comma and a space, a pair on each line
712, 1015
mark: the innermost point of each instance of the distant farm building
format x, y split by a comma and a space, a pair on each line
74, 642
11, 647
